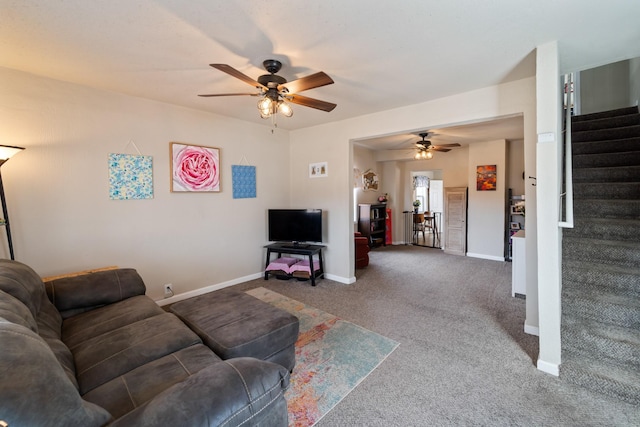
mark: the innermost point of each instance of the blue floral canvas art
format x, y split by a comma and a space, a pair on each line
130, 177
243, 179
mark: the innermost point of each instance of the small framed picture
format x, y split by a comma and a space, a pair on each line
318, 170
515, 225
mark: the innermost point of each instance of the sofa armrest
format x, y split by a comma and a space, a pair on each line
73, 294
241, 391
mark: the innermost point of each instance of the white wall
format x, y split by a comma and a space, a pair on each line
634, 77
486, 213
332, 142
57, 189
515, 166
364, 160
605, 88
548, 184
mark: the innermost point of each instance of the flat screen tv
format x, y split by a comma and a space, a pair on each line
295, 225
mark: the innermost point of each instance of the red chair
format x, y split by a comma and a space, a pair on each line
361, 250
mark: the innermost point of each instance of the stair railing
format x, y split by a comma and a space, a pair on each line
567, 194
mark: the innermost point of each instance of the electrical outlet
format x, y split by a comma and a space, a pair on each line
168, 290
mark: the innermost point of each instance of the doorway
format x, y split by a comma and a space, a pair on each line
426, 218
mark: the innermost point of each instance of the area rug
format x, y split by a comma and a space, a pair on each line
332, 357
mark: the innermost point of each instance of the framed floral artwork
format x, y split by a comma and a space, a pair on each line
243, 181
194, 168
130, 177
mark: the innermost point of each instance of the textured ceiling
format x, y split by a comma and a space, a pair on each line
381, 55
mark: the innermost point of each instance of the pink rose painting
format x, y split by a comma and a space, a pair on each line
194, 168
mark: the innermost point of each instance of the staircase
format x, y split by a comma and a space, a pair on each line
601, 257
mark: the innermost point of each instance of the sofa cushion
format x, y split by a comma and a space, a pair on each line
107, 356
75, 294
126, 392
96, 322
35, 391
13, 310
252, 394
235, 324
20, 281
49, 320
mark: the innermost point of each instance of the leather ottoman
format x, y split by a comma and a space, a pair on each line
234, 324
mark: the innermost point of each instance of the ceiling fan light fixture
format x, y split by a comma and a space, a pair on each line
265, 104
275, 89
423, 155
285, 109
265, 114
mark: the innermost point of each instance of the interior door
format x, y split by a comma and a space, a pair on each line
455, 219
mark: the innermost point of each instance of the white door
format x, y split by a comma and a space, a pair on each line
455, 219
435, 195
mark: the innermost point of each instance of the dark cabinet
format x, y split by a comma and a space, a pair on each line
372, 223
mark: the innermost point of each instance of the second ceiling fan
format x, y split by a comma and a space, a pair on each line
275, 92
425, 148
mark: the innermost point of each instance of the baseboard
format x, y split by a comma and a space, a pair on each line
217, 287
340, 279
549, 368
483, 256
531, 330
207, 289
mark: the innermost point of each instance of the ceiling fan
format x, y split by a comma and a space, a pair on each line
425, 148
275, 92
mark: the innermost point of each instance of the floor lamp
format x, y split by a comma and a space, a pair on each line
6, 151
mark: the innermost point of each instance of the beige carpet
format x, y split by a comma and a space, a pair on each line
463, 357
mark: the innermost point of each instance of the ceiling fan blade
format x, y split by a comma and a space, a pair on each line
237, 74
229, 94
455, 144
305, 83
311, 102
444, 150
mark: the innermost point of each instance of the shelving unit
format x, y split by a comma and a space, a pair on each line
515, 221
306, 250
372, 223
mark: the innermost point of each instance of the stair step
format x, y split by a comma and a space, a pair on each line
588, 337
612, 252
607, 146
606, 134
590, 277
625, 158
607, 208
591, 303
606, 123
604, 228
616, 381
602, 114
603, 190
608, 174
601, 257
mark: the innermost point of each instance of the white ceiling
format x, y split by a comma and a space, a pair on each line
381, 54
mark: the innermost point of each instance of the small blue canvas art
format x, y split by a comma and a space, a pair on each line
243, 180
130, 177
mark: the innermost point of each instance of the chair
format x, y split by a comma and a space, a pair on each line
361, 250
428, 221
418, 225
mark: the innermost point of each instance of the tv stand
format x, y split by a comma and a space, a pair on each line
292, 249
295, 245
